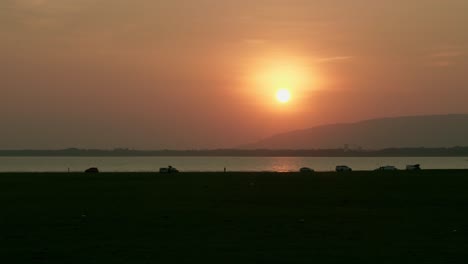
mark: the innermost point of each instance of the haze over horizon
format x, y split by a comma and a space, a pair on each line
204, 74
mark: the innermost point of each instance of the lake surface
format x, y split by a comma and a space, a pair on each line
281, 164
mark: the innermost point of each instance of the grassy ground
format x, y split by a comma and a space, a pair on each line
358, 217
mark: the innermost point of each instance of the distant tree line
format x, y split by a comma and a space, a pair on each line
388, 152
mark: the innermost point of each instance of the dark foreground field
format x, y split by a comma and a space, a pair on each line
359, 217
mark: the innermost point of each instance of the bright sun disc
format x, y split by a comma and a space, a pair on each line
283, 95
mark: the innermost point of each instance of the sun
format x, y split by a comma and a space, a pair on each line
283, 95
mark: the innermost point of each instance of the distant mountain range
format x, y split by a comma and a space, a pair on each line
437, 135
400, 132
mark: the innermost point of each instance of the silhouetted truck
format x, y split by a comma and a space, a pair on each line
169, 169
386, 168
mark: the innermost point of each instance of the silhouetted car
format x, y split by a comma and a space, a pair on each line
413, 167
306, 169
92, 170
343, 168
386, 168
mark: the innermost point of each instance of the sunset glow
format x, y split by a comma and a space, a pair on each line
286, 72
278, 80
171, 74
283, 95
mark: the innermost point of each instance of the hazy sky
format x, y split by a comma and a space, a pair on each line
152, 74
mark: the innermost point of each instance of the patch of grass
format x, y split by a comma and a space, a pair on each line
357, 217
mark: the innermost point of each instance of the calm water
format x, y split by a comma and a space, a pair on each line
147, 164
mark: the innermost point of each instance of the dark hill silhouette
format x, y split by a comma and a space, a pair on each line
399, 132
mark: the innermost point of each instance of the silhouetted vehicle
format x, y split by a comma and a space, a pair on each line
342, 168
386, 168
169, 169
413, 167
92, 170
306, 169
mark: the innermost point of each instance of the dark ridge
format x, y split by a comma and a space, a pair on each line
436, 131
388, 152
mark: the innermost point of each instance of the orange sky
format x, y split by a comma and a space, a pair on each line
154, 74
